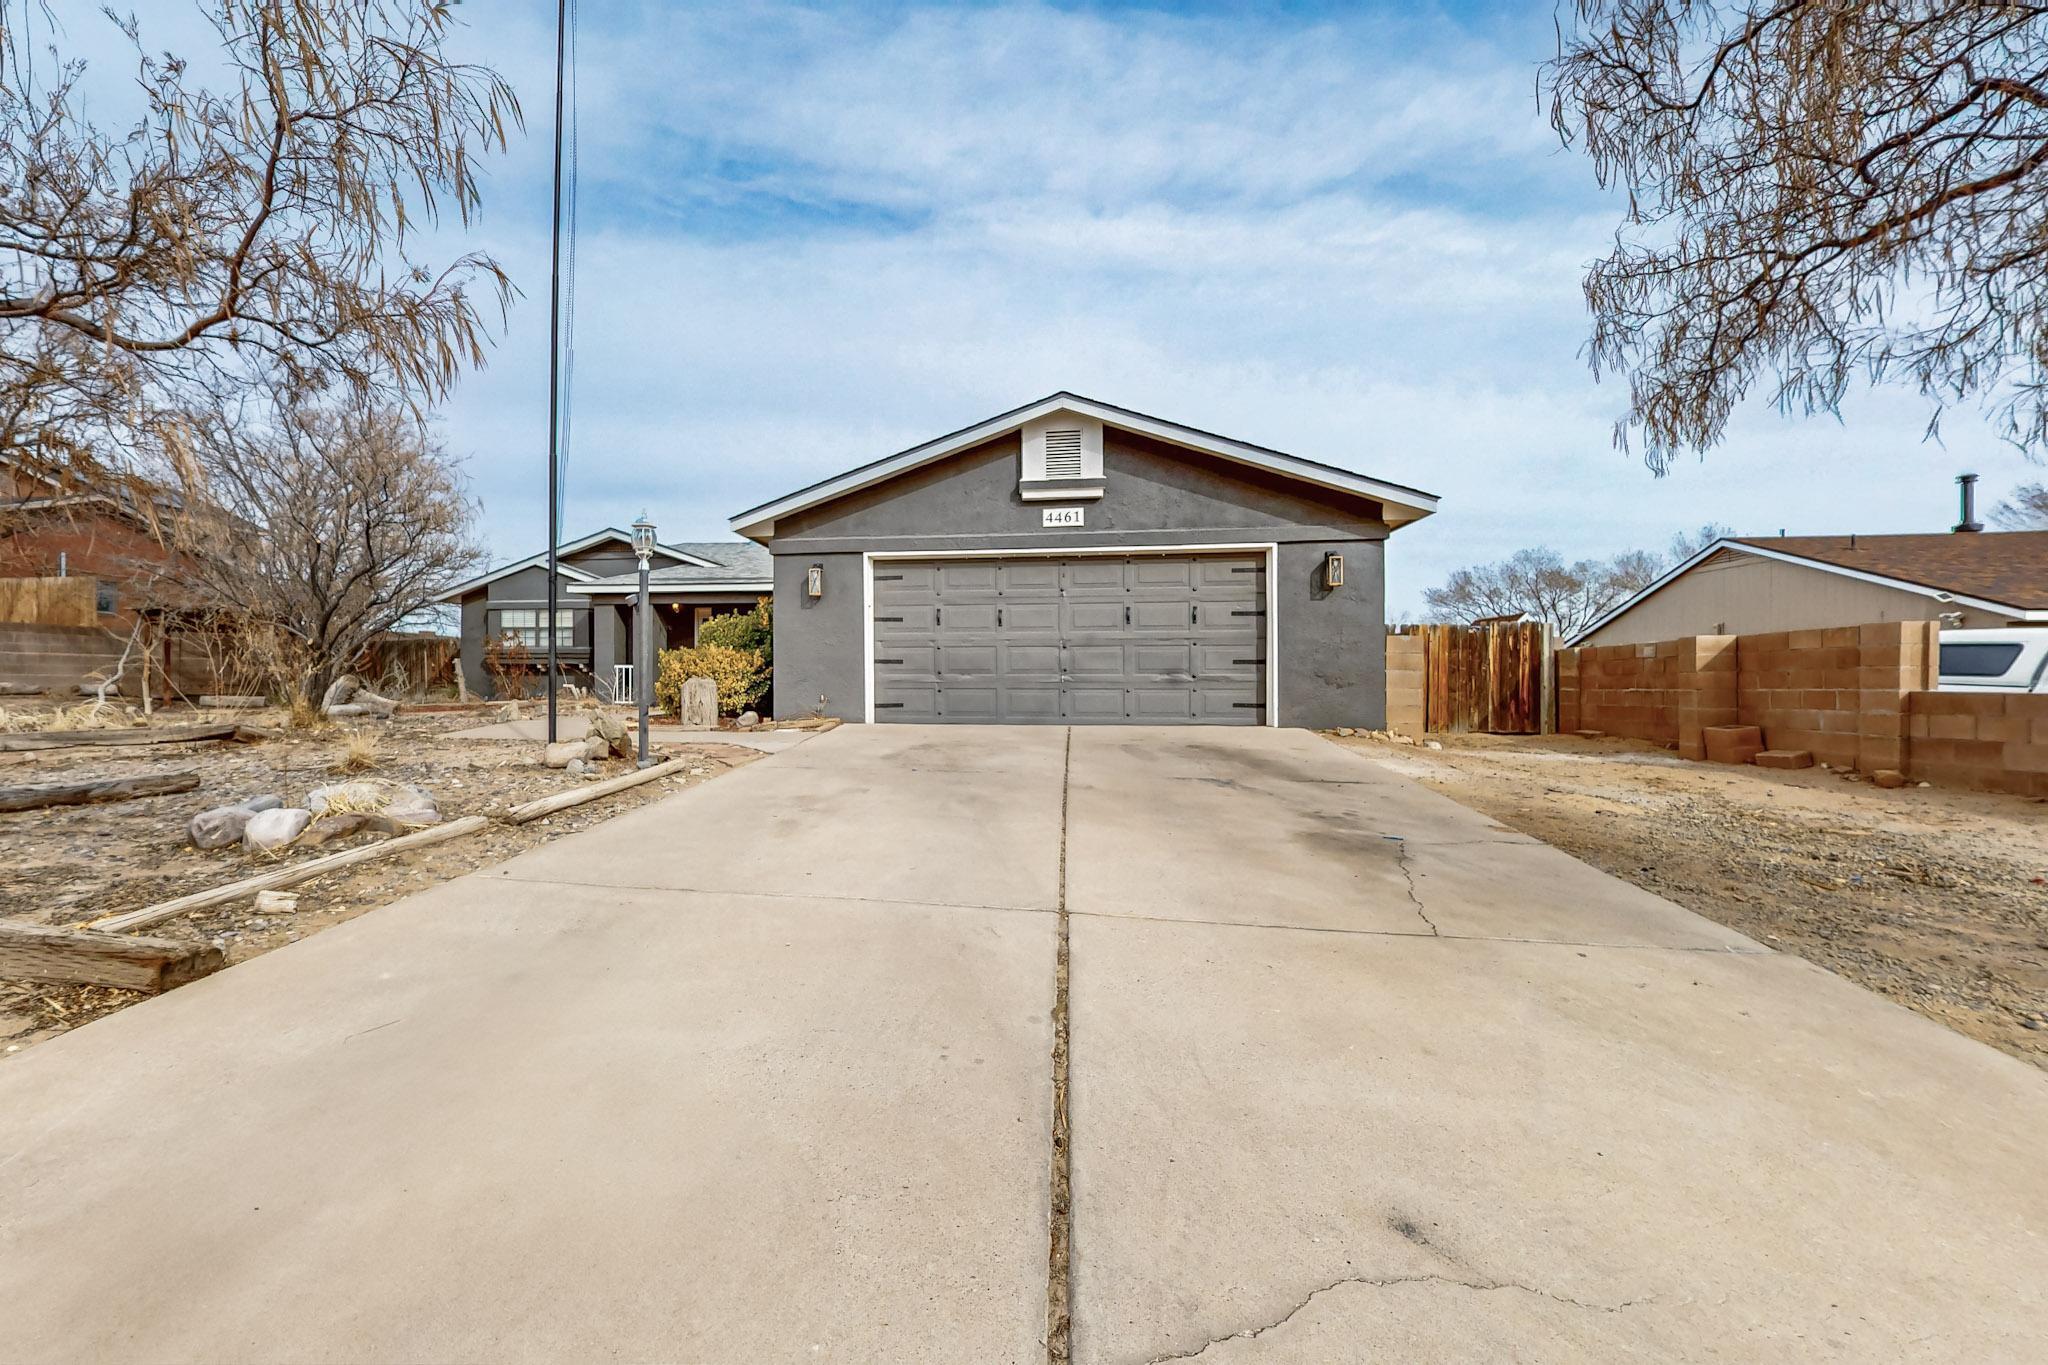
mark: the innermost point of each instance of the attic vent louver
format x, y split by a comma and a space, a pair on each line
1063, 453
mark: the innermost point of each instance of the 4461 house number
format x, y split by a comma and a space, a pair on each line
1064, 516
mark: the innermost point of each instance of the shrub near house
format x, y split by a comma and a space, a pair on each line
735, 651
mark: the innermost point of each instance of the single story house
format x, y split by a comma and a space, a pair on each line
1066, 562
1746, 586
1072, 562
597, 585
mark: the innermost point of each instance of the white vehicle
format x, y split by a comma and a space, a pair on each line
2008, 660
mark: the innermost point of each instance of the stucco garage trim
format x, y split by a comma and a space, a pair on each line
1270, 549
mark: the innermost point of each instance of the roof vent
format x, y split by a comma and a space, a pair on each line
1966, 484
1063, 453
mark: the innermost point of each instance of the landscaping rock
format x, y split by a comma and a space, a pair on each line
612, 728
748, 720
1889, 778
700, 704
334, 827
276, 902
273, 829
224, 825
597, 748
578, 767
562, 753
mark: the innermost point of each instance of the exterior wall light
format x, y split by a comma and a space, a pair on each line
643, 538
1333, 571
814, 581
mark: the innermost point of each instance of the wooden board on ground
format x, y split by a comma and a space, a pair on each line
576, 796
93, 793
65, 739
290, 875
35, 952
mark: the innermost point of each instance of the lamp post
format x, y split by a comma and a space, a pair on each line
643, 629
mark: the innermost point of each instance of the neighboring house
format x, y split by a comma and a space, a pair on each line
1750, 586
598, 582
1070, 562
51, 529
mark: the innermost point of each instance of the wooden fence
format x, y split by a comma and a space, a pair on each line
50, 601
1460, 678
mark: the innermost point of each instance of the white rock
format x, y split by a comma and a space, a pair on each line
748, 720
562, 753
1432, 744
277, 902
269, 829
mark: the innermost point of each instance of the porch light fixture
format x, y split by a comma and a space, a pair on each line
1333, 571
814, 581
643, 538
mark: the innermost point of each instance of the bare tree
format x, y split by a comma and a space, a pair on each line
258, 232
1818, 191
326, 527
1686, 544
2025, 510
1539, 583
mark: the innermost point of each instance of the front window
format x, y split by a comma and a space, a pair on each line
526, 628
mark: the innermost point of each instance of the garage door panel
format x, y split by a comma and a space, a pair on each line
1034, 661
968, 577
1093, 576
959, 663
1034, 577
1161, 704
956, 617
1094, 703
1031, 618
1156, 659
1146, 639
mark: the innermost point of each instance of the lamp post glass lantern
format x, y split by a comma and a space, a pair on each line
643, 629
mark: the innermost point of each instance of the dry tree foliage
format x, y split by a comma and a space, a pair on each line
1819, 192
321, 528
258, 231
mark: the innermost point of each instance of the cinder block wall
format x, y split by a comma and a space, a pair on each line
59, 657
1854, 696
1990, 740
1404, 684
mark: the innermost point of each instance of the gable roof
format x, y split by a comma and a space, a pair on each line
737, 566
1402, 504
570, 571
2001, 571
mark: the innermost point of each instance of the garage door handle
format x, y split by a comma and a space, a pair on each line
1194, 614
999, 618
1127, 613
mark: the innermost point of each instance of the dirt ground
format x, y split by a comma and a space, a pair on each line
65, 865
1935, 898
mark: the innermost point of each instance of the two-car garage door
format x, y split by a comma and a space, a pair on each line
1095, 639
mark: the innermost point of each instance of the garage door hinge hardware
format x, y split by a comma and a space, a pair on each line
1240, 663
1251, 570
888, 618
1249, 705
888, 706
888, 661
1247, 613
888, 578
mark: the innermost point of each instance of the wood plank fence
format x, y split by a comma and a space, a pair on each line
1492, 678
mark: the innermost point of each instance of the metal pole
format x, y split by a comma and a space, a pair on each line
643, 667
555, 366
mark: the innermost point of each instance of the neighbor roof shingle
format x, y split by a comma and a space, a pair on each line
2010, 567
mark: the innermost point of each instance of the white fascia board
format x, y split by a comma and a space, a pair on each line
1863, 576
758, 523
596, 588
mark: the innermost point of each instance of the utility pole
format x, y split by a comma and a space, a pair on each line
555, 369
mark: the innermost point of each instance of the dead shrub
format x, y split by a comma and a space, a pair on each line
359, 755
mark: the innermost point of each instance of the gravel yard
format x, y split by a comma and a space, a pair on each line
65, 865
1937, 899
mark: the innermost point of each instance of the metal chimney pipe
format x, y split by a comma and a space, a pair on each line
1967, 484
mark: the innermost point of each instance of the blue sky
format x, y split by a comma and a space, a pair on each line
814, 235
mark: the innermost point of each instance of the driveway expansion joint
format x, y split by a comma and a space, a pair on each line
1387, 1282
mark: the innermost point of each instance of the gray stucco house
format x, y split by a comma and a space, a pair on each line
1072, 562
598, 581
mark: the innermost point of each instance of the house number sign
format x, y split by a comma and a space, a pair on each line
1064, 516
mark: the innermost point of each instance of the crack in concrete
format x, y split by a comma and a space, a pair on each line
1408, 876
1059, 1256
1478, 1286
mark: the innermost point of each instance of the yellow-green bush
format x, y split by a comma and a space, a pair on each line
741, 676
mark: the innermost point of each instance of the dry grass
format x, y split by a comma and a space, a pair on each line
359, 755
90, 715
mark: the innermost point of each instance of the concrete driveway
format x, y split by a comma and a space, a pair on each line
764, 1072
